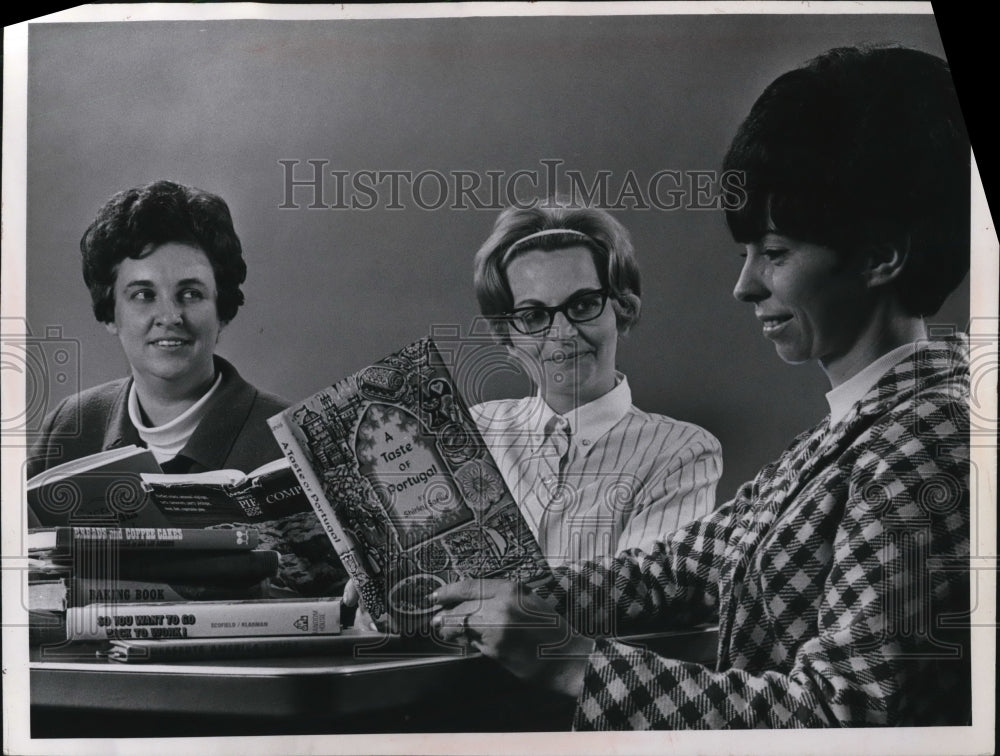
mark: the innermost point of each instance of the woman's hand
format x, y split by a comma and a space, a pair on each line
507, 622
352, 599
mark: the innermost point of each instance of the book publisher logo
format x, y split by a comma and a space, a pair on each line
302, 623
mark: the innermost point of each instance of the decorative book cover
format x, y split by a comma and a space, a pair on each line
399, 476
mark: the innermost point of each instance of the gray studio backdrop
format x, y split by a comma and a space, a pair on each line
220, 104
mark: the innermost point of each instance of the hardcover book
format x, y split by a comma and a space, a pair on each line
62, 540
198, 500
268, 500
210, 567
59, 594
101, 489
203, 619
259, 647
47, 595
397, 473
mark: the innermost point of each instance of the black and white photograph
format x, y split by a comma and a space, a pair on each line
496, 378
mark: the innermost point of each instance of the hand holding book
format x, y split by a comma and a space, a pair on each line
351, 611
396, 470
509, 623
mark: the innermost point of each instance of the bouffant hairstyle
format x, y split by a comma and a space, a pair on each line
862, 146
136, 221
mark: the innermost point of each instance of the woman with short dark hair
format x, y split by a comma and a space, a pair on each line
164, 266
862, 148
834, 573
133, 222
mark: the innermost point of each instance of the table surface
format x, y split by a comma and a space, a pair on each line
377, 684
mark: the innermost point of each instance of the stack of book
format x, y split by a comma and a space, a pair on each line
385, 477
268, 500
100, 583
125, 487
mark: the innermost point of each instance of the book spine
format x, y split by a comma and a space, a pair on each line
47, 595
173, 566
347, 550
45, 627
83, 591
194, 539
206, 619
229, 648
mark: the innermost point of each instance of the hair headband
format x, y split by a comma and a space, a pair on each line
547, 232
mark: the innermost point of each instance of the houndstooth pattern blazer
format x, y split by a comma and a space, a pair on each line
833, 576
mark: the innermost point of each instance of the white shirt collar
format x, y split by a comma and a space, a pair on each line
589, 422
851, 391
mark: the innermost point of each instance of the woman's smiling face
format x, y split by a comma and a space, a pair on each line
165, 315
811, 300
575, 361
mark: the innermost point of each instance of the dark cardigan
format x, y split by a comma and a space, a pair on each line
233, 434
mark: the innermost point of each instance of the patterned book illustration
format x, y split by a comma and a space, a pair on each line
399, 476
203, 619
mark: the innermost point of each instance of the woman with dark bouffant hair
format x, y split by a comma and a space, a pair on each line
838, 576
164, 266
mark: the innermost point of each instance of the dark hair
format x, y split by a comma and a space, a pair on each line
862, 146
135, 221
607, 239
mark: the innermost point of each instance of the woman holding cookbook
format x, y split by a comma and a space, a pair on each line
835, 574
592, 474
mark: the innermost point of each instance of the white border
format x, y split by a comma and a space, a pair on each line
206, 12
986, 253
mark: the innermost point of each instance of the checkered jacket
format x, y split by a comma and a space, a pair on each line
833, 576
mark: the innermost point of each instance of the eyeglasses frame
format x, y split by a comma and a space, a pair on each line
512, 316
